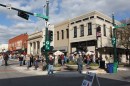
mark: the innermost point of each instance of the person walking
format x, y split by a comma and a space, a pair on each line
6, 57
62, 59
31, 60
28, 60
24, 58
50, 64
80, 63
1, 59
36, 62
20, 57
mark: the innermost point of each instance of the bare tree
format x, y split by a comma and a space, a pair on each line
123, 36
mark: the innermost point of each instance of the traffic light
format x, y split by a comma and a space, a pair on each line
50, 33
23, 15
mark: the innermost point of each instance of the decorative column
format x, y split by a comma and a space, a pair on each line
36, 48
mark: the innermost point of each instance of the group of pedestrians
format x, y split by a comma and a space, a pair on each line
33, 60
29, 60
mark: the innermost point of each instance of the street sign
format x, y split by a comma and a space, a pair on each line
119, 26
40, 15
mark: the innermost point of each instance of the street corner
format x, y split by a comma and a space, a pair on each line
99, 71
31, 70
123, 69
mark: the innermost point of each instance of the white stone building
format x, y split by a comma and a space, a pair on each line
3, 47
36, 40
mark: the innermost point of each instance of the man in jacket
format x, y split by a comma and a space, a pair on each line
80, 63
50, 64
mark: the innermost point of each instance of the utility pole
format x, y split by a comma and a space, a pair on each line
114, 45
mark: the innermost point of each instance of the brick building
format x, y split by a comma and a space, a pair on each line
18, 44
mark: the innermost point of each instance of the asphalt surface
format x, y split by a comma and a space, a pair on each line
11, 77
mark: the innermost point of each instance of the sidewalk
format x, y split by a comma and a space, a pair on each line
39, 71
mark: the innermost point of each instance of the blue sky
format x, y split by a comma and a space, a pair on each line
11, 25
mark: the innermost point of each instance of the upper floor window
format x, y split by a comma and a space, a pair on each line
89, 28
91, 17
107, 21
81, 30
62, 32
85, 19
72, 23
57, 35
75, 32
110, 32
67, 33
100, 18
104, 29
78, 21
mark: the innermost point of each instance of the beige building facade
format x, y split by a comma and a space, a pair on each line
89, 32
61, 36
92, 32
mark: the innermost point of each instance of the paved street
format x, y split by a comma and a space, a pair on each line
12, 77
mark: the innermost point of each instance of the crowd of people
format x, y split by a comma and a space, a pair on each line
48, 63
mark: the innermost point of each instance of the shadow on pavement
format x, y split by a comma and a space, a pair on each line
54, 80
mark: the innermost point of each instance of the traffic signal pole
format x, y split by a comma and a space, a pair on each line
114, 46
46, 33
33, 14
25, 15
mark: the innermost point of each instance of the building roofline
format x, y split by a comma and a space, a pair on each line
93, 12
61, 23
18, 36
35, 33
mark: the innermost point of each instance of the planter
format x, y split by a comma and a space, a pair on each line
94, 67
57, 68
72, 67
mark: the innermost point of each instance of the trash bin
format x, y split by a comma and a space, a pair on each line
110, 67
115, 67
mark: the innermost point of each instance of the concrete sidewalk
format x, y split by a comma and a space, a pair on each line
39, 71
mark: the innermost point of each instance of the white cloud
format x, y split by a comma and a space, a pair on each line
68, 9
